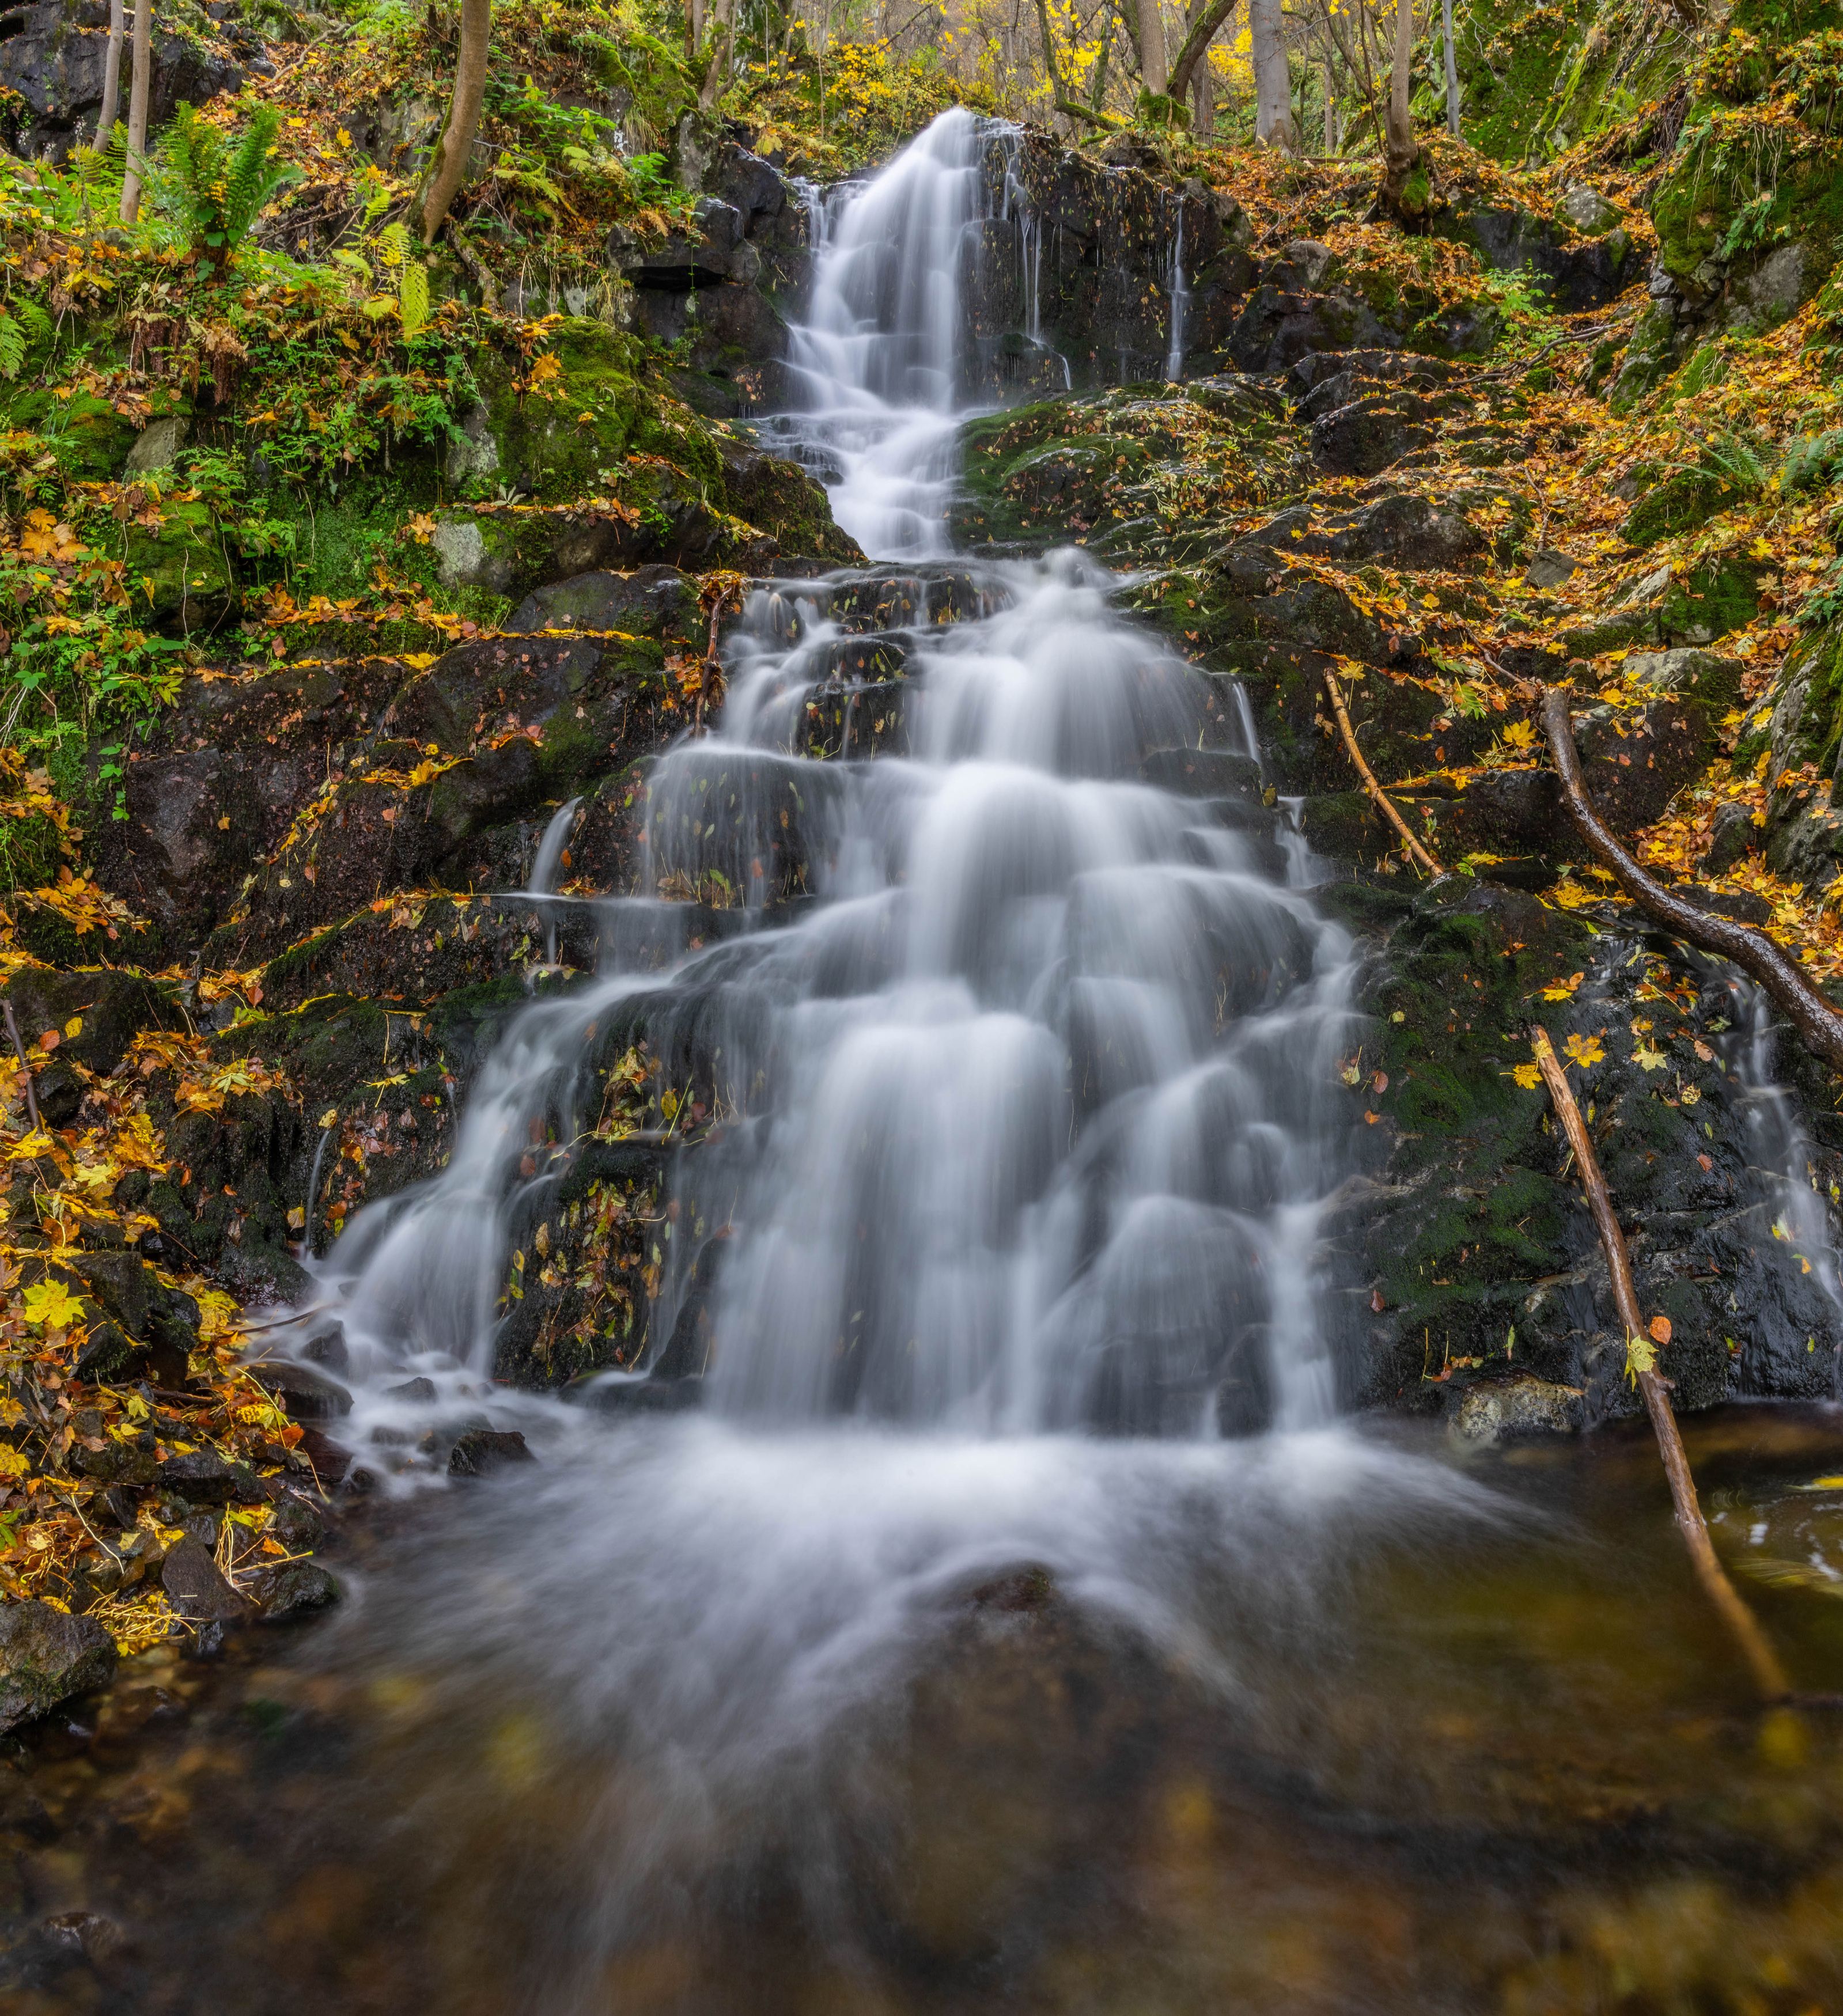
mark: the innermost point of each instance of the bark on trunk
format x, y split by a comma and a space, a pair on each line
1273, 84
1816, 1022
1452, 72
1152, 47
111, 107
1190, 64
1402, 151
138, 92
717, 76
1761, 1660
463, 116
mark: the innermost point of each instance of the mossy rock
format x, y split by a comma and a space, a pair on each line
563, 440
1685, 499
89, 438
181, 569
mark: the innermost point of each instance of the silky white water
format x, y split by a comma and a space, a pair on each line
1012, 1246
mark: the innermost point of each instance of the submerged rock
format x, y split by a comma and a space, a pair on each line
1498, 1410
47, 1656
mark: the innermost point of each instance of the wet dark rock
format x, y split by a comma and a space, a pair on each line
1742, 904
331, 1461
481, 1451
293, 1588
419, 1392
659, 600
46, 1656
203, 1478
1547, 567
1732, 837
195, 1588
308, 1394
1201, 773
51, 71
296, 1524
112, 1008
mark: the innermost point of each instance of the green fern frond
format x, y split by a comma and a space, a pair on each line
12, 345
412, 299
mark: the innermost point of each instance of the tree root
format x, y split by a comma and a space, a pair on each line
1769, 963
1769, 1675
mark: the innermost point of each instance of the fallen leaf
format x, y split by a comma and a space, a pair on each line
1660, 1329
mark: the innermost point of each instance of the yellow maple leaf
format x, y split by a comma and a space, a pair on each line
1586, 1051
1528, 1076
52, 1305
1563, 990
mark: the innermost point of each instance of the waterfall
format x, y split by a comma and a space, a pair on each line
880, 356
1177, 296
1030, 1052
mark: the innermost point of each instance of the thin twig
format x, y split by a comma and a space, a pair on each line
12, 1030
1774, 968
1745, 1627
1378, 796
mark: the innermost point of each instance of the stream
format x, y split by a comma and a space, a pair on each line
977, 1600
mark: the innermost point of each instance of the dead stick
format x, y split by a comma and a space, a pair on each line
12, 1030
1740, 1620
1774, 968
1378, 796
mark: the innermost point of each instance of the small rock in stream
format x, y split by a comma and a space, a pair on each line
195, 1588
46, 1657
291, 1589
1499, 1410
483, 1450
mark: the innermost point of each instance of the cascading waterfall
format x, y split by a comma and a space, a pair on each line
1177, 296
1024, 1037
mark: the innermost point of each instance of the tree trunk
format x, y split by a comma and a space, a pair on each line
694, 25
138, 92
1052, 66
1330, 114
1402, 152
1452, 69
111, 76
1203, 98
1273, 86
1152, 47
463, 116
1197, 39
722, 46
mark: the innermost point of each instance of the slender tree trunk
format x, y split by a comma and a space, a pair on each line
1273, 86
722, 47
1190, 64
1203, 97
1452, 69
1402, 152
1051, 63
1152, 47
1330, 116
463, 116
111, 76
139, 93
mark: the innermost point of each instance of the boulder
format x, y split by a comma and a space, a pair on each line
1509, 1409
46, 1656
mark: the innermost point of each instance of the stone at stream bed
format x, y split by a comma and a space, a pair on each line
1499, 1410
293, 1588
195, 1590
46, 1656
308, 1394
1733, 836
202, 1478
480, 1451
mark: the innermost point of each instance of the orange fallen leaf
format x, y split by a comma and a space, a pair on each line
1660, 1329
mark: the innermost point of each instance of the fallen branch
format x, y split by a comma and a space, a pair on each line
1641, 1364
1769, 963
1378, 796
12, 1030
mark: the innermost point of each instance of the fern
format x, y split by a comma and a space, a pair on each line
217, 191
12, 345
412, 299
393, 243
